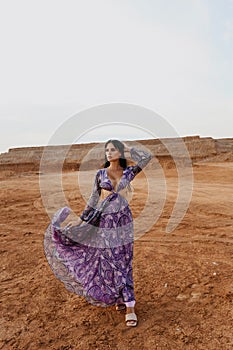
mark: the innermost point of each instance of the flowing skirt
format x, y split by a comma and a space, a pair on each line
93, 260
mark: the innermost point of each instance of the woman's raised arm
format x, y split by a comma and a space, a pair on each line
140, 156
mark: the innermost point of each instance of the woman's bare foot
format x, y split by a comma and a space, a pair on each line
120, 307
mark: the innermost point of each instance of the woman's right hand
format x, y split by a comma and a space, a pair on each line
126, 147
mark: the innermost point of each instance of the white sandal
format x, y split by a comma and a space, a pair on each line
131, 317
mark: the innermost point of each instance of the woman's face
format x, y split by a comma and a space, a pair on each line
112, 153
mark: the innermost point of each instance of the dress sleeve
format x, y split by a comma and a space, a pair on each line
141, 157
91, 205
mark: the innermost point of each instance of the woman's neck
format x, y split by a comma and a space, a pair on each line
115, 166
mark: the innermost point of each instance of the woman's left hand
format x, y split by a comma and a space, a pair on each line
74, 223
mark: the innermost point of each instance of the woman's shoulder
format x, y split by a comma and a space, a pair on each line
100, 171
132, 170
129, 168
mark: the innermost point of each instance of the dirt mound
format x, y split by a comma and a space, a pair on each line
222, 157
90, 156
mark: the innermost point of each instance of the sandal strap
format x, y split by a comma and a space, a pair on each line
131, 317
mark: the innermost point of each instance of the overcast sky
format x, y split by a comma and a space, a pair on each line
59, 57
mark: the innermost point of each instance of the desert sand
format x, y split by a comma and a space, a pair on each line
183, 279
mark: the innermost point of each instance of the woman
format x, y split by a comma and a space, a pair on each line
93, 255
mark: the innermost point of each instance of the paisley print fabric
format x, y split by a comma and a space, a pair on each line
94, 259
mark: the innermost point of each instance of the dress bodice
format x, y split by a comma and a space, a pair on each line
106, 183
102, 184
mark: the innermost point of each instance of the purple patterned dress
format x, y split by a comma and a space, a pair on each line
94, 259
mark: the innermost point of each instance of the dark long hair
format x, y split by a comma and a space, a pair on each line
120, 147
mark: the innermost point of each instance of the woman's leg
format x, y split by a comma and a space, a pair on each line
130, 303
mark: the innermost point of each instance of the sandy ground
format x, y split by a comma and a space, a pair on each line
183, 280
